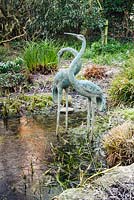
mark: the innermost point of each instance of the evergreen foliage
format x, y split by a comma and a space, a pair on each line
40, 19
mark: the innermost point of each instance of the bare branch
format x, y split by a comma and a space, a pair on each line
16, 37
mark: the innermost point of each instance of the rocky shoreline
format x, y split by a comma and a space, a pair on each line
116, 183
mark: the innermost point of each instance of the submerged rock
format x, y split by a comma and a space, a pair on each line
116, 183
63, 110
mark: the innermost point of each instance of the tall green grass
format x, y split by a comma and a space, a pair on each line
41, 56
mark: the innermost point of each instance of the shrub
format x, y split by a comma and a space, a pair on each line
11, 66
11, 82
12, 77
130, 61
112, 47
41, 56
119, 144
3, 53
95, 72
122, 88
114, 53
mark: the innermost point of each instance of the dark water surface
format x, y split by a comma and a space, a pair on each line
25, 153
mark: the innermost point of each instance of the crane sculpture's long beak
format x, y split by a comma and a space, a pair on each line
74, 34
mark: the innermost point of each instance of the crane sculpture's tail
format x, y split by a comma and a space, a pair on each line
101, 103
55, 94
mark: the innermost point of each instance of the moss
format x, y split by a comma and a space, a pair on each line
1, 139
128, 113
23, 103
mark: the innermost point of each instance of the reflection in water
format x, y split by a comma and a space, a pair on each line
24, 150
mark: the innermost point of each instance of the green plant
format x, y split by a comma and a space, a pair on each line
41, 56
11, 82
114, 53
122, 87
128, 113
51, 18
119, 144
74, 158
12, 66
18, 104
3, 53
130, 61
35, 102
112, 47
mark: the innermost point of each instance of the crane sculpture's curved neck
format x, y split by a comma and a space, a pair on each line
70, 49
62, 76
78, 65
75, 61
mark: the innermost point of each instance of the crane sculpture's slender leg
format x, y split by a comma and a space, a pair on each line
58, 113
88, 114
66, 109
93, 103
88, 118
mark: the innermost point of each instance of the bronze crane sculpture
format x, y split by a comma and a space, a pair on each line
86, 88
61, 82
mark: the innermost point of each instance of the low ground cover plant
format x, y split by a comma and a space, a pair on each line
12, 76
21, 103
12, 66
11, 82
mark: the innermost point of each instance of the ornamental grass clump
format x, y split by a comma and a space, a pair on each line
41, 57
119, 144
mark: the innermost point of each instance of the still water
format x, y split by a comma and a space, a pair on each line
24, 154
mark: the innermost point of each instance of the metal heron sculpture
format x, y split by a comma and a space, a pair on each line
61, 82
87, 88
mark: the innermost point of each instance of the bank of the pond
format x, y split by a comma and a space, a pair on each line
76, 159
116, 183
21, 104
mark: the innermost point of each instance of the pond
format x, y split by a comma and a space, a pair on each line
25, 153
